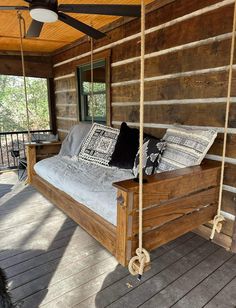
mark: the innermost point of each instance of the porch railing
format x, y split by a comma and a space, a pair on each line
15, 141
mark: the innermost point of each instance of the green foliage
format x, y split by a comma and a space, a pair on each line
13, 106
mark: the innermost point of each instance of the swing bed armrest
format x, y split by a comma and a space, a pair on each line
39, 151
174, 203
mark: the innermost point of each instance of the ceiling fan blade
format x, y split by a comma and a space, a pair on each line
102, 9
34, 29
80, 26
16, 7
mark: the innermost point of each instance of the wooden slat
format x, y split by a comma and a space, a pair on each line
122, 249
190, 180
164, 213
172, 230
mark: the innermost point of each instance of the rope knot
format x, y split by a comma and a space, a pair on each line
217, 225
138, 262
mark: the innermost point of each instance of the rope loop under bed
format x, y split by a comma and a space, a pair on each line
138, 262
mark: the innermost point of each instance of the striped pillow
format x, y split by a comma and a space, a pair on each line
185, 147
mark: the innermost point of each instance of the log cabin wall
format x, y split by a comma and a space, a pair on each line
186, 71
35, 66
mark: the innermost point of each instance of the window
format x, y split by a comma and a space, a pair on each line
96, 106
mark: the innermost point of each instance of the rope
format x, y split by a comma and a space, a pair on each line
92, 80
138, 262
218, 219
21, 20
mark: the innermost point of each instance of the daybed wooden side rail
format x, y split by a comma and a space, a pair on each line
174, 203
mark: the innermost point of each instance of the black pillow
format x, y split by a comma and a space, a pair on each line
152, 151
126, 147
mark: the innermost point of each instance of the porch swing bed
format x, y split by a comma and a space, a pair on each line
174, 202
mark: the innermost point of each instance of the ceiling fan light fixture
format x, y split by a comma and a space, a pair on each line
43, 15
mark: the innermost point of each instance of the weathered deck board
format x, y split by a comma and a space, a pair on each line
52, 262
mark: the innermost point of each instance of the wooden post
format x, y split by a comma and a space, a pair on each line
31, 161
124, 226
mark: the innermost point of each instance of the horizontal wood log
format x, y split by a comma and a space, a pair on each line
202, 57
199, 86
157, 17
35, 66
72, 66
185, 114
176, 228
66, 124
158, 215
217, 147
202, 27
66, 98
67, 111
65, 84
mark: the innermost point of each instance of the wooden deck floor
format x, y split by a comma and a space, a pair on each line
52, 262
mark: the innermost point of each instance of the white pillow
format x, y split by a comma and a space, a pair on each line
185, 147
99, 144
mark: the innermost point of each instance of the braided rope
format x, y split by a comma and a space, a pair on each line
21, 19
138, 262
217, 222
92, 79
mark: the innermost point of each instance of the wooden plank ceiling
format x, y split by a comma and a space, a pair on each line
54, 35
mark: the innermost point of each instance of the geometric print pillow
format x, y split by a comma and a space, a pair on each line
99, 144
152, 151
185, 147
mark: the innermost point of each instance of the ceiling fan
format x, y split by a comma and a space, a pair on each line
43, 11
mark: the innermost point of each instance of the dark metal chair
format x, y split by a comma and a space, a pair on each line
21, 164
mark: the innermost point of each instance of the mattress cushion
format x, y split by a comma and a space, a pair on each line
85, 182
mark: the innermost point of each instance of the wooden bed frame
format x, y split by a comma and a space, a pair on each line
175, 203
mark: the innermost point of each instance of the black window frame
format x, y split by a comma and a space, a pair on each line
82, 105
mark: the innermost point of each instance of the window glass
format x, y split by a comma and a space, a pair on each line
93, 105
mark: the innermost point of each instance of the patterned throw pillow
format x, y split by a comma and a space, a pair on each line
152, 152
185, 147
99, 144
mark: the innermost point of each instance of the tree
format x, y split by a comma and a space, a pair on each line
12, 103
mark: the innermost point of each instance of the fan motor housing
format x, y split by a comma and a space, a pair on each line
44, 11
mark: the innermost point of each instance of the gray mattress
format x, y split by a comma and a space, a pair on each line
87, 183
